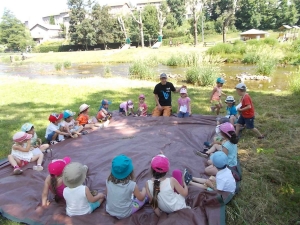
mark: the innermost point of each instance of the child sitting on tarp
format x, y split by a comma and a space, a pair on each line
223, 181
125, 107
231, 111
103, 114
143, 108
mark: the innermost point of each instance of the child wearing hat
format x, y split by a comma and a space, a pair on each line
231, 111
143, 108
21, 154
79, 200
216, 94
35, 142
184, 104
103, 114
125, 107
120, 186
84, 120
70, 125
54, 131
54, 181
223, 181
160, 189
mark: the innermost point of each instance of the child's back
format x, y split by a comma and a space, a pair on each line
225, 180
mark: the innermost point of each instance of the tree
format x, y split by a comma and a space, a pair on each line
63, 33
286, 13
139, 21
13, 33
197, 8
51, 20
248, 16
297, 4
150, 24
177, 8
162, 12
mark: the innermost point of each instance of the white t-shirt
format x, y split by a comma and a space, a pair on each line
66, 124
51, 127
225, 181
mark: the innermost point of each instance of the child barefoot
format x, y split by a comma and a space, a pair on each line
246, 110
54, 181
79, 200
70, 125
160, 189
83, 118
223, 181
143, 108
34, 141
215, 97
21, 154
103, 113
120, 188
184, 104
125, 107
54, 131
231, 111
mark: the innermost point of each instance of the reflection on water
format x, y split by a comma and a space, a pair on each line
46, 70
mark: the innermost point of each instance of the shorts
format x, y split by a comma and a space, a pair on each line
121, 110
248, 121
50, 136
94, 205
215, 102
166, 111
183, 115
22, 163
76, 128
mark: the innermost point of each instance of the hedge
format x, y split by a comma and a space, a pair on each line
181, 40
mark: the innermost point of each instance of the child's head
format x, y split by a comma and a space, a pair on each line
230, 101
227, 131
56, 166
121, 170
183, 92
55, 117
68, 115
105, 103
240, 89
28, 128
219, 160
74, 174
220, 82
129, 104
159, 166
84, 108
21, 137
142, 98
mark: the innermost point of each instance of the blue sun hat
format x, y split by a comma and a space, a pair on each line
121, 167
220, 80
219, 159
68, 113
26, 127
105, 102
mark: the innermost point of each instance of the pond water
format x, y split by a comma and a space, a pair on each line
279, 80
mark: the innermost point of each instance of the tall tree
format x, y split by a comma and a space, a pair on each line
197, 9
248, 16
51, 20
177, 8
297, 4
286, 13
139, 21
162, 12
151, 25
13, 33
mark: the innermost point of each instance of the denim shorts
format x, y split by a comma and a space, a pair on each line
248, 121
121, 110
49, 137
94, 205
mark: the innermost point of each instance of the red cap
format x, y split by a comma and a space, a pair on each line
55, 117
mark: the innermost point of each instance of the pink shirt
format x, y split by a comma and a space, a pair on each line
216, 96
184, 102
143, 108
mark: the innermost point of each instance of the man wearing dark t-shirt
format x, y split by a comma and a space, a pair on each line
162, 95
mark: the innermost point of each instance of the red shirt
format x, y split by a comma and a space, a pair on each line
83, 119
246, 100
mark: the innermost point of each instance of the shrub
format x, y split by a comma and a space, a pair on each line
270, 41
17, 58
140, 70
296, 46
250, 58
58, 66
203, 75
50, 48
294, 84
266, 66
107, 71
174, 60
152, 61
67, 64
220, 48
184, 39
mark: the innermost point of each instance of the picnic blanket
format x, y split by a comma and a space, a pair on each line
138, 137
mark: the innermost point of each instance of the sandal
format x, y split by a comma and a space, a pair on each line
84, 132
17, 171
202, 153
187, 177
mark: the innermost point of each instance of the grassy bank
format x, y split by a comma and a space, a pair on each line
270, 188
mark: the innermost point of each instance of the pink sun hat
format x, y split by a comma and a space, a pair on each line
21, 136
160, 163
142, 96
57, 166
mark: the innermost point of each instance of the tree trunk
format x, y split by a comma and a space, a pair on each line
195, 31
224, 32
142, 35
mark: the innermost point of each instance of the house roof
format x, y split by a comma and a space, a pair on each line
118, 3
141, 2
254, 31
47, 26
296, 27
57, 13
285, 27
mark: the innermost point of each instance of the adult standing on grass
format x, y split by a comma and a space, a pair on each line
162, 96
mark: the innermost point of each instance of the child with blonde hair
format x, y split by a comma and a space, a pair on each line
21, 154
121, 187
216, 94
54, 181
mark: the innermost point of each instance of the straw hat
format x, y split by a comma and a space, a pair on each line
74, 174
83, 107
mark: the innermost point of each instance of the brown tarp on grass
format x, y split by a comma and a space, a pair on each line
140, 139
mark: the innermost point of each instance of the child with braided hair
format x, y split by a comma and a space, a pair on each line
165, 194
54, 181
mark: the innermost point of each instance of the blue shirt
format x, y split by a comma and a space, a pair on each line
231, 111
232, 153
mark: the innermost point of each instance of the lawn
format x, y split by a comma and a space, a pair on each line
270, 190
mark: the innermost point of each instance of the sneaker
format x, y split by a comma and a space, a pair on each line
187, 177
53, 142
17, 171
203, 153
207, 144
38, 168
60, 140
261, 137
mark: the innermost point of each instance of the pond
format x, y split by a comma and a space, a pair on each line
279, 80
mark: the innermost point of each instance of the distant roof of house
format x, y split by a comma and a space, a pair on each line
47, 26
254, 31
117, 3
140, 2
296, 27
285, 27
58, 13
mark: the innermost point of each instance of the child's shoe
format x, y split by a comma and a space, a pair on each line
203, 153
187, 177
53, 142
17, 170
38, 168
207, 144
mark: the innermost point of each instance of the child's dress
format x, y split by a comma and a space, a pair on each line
217, 95
143, 109
24, 156
168, 200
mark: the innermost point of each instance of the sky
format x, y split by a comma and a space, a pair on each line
35, 9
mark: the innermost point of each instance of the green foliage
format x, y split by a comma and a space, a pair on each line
225, 48
266, 66
177, 9
107, 71
294, 83
296, 46
58, 66
50, 48
150, 22
140, 70
250, 58
185, 39
203, 75
270, 41
51, 20
67, 64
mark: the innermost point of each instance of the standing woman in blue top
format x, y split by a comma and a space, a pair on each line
231, 111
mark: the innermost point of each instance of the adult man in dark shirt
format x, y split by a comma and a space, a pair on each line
162, 95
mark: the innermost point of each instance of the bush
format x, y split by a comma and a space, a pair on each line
266, 66
58, 66
67, 64
270, 41
184, 39
250, 58
292, 58
107, 71
220, 48
294, 84
296, 46
140, 70
203, 75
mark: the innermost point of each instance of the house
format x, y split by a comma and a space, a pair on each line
41, 32
59, 18
119, 8
140, 4
253, 34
